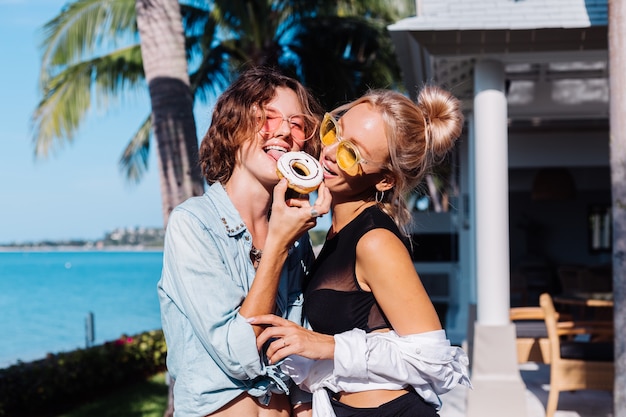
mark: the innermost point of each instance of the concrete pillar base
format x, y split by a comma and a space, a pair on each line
498, 386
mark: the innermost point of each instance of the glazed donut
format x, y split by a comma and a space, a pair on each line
303, 172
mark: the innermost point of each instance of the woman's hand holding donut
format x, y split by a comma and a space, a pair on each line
290, 219
321, 205
290, 339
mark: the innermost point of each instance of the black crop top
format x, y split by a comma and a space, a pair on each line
333, 300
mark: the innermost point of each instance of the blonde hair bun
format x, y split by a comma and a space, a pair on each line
443, 118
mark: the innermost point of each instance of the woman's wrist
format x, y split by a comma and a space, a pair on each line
276, 250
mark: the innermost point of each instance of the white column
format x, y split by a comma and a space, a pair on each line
492, 194
498, 386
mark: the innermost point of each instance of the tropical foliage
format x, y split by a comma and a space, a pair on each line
92, 57
62, 381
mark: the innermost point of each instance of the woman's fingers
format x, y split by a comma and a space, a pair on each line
277, 350
283, 341
272, 319
322, 203
280, 190
323, 198
321, 206
298, 202
276, 329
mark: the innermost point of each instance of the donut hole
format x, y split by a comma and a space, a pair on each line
300, 169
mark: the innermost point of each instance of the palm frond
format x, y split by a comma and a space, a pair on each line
134, 160
83, 29
69, 95
213, 75
67, 98
385, 11
118, 74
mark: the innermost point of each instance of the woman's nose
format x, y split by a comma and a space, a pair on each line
284, 128
330, 152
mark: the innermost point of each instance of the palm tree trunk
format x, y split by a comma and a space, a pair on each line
617, 80
165, 67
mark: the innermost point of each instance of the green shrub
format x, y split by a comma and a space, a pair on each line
63, 381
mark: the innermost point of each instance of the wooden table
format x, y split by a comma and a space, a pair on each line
586, 300
587, 306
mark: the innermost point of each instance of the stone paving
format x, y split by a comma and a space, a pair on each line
587, 403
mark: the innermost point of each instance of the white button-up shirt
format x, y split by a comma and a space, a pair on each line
369, 361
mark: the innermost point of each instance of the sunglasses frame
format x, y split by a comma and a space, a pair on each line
341, 142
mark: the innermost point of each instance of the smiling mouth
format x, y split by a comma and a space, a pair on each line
325, 168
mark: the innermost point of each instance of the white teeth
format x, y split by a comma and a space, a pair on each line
276, 148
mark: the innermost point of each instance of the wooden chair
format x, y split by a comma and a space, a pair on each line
531, 334
575, 364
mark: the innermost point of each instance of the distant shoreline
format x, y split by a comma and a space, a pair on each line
136, 239
129, 248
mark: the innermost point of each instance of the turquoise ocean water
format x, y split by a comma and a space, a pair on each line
45, 298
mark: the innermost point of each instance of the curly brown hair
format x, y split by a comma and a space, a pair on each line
234, 119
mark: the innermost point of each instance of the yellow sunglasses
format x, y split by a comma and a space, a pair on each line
348, 156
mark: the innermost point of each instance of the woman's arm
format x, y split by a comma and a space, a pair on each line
288, 222
384, 266
200, 291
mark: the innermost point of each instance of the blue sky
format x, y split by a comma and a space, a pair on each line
79, 191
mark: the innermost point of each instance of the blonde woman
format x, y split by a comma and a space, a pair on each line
376, 347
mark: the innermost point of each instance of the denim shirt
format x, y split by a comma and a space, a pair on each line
207, 273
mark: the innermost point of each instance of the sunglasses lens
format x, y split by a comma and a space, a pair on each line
272, 123
348, 158
328, 131
302, 126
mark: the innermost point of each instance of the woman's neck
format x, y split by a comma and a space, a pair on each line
253, 203
344, 213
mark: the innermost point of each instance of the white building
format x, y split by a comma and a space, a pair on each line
534, 177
